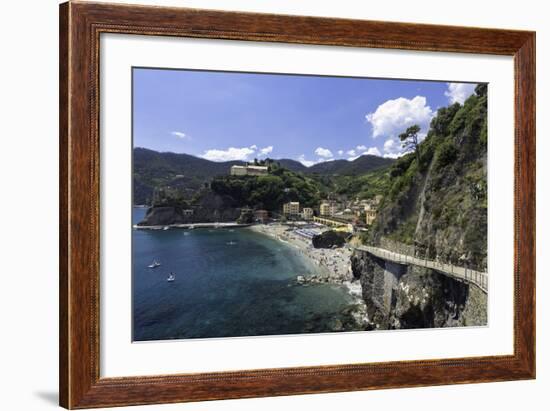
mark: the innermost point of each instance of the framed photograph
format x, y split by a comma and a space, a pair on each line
257, 205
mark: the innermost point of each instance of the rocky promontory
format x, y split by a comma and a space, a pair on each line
210, 208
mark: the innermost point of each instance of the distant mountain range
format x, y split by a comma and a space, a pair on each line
153, 169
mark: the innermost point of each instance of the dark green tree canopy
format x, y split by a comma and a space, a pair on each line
481, 89
409, 139
269, 191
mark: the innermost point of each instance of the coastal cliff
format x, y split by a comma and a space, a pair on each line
209, 208
435, 208
437, 200
400, 296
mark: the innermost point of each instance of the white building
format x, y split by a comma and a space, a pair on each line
248, 170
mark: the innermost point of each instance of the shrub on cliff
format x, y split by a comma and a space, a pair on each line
329, 239
446, 154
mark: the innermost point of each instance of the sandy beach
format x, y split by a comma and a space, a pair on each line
335, 263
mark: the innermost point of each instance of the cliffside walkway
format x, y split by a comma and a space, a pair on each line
478, 278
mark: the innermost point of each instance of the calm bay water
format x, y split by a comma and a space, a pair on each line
228, 284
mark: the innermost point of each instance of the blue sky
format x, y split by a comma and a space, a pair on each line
241, 116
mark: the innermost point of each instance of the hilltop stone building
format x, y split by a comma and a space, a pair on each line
249, 170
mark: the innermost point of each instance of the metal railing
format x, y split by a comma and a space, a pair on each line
478, 278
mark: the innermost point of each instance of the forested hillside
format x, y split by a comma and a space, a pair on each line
188, 174
270, 191
439, 204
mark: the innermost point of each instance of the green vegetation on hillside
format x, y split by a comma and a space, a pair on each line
436, 198
361, 165
269, 191
188, 175
176, 172
363, 186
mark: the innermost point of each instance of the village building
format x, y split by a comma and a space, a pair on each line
370, 214
249, 170
307, 213
336, 224
291, 209
328, 208
348, 212
261, 215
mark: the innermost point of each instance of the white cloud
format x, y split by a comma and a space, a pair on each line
390, 144
230, 154
307, 163
266, 150
234, 153
361, 148
373, 151
392, 148
394, 116
340, 152
323, 152
459, 92
180, 134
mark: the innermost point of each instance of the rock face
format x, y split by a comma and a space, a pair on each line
163, 216
211, 208
400, 296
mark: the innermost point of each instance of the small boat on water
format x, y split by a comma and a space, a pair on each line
191, 227
231, 243
166, 228
171, 277
154, 264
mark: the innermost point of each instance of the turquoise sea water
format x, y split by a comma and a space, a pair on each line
228, 284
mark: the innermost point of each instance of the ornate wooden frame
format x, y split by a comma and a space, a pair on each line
80, 27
